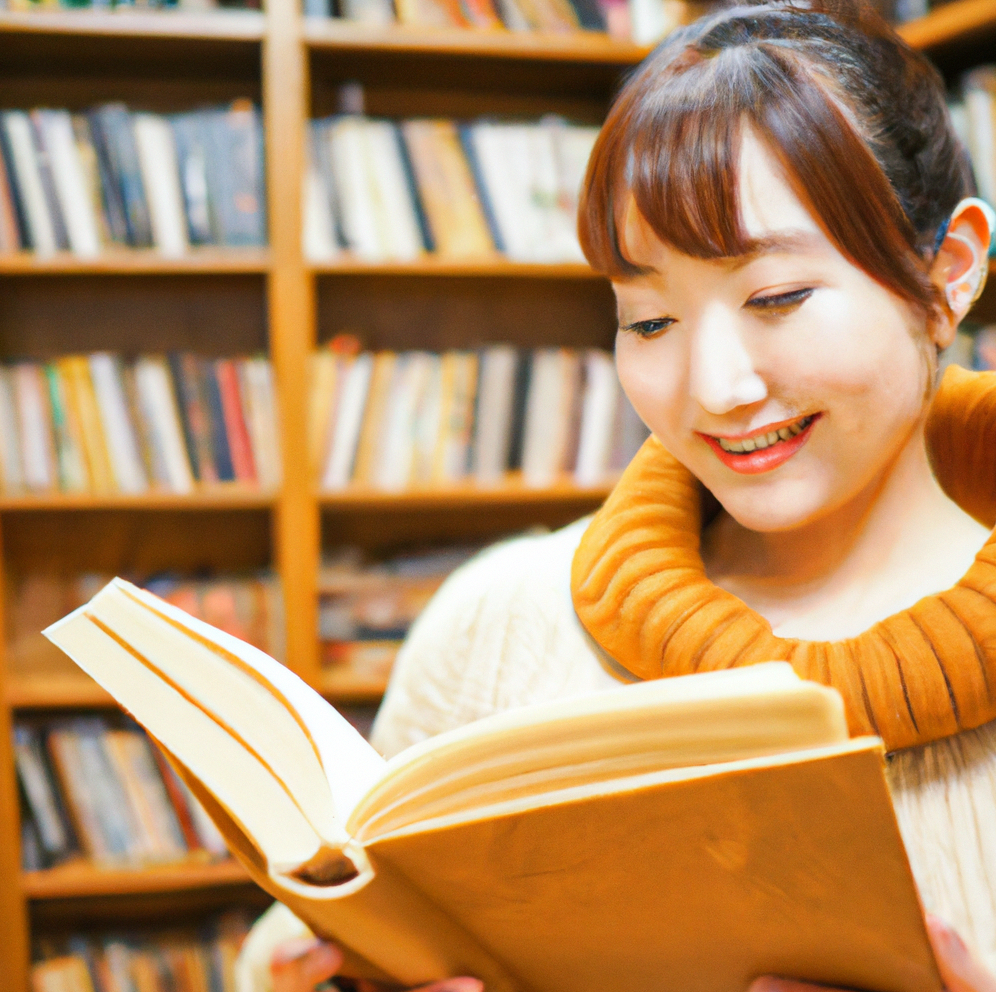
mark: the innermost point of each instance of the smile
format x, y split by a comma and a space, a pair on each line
763, 450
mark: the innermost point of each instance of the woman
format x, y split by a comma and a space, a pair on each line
779, 200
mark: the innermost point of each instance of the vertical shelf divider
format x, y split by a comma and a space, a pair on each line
291, 299
14, 942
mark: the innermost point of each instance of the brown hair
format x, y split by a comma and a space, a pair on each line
856, 117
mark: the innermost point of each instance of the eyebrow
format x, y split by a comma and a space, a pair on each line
776, 243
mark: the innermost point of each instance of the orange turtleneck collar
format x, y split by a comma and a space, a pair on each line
640, 590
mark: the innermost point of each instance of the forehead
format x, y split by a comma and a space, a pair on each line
768, 206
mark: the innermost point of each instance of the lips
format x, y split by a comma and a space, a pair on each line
762, 451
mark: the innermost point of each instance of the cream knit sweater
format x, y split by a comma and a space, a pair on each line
502, 633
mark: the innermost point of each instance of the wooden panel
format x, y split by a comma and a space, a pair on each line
13, 919
388, 531
137, 261
137, 542
42, 316
154, 72
292, 322
451, 312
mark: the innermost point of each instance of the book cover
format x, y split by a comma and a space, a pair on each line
215, 416
735, 796
123, 175
44, 164
233, 418
236, 184
69, 180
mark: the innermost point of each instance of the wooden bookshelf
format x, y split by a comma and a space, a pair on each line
80, 879
206, 261
222, 497
276, 298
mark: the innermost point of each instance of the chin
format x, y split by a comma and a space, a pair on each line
770, 513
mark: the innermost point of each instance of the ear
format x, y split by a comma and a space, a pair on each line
961, 265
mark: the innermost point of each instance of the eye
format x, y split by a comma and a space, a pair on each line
780, 302
649, 328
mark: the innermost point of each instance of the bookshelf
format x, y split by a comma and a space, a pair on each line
232, 300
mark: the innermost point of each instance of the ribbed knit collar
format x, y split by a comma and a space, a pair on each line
640, 590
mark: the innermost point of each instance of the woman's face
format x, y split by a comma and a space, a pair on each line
787, 381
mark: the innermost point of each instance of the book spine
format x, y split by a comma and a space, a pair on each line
110, 182
189, 135
123, 158
233, 417
47, 182
186, 370
11, 470
69, 448
86, 154
16, 194
126, 462
339, 468
256, 380
82, 400
35, 418
54, 831
466, 135
161, 181
155, 392
236, 163
216, 421
56, 127
373, 419
24, 162
10, 233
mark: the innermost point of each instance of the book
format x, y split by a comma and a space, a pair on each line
24, 170
235, 174
157, 158
731, 805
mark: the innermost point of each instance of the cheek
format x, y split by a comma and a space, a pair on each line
652, 375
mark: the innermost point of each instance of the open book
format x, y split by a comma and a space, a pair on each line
684, 835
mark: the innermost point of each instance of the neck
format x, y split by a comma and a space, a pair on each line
897, 540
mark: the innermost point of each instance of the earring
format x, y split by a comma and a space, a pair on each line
963, 293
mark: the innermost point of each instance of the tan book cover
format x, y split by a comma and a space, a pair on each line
680, 834
446, 187
371, 433
81, 400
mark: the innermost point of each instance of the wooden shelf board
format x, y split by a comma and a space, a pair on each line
222, 497
79, 879
577, 46
139, 261
73, 690
340, 685
950, 23
123, 23
429, 265
465, 495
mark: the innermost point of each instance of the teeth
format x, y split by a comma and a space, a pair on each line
763, 441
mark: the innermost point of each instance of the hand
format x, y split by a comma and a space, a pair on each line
961, 970
303, 964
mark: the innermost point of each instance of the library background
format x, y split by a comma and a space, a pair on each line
293, 320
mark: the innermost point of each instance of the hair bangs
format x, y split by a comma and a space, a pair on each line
671, 146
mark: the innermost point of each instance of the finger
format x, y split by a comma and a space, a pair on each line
960, 969
309, 967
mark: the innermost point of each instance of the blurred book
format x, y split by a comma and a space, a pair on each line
113, 178
98, 424
395, 421
187, 959
385, 191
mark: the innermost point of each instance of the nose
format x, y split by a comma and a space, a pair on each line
722, 375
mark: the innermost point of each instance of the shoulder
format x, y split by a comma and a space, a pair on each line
501, 632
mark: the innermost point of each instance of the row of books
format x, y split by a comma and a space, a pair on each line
86, 182
386, 190
249, 607
394, 420
96, 423
642, 21
974, 350
366, 606
97, 787
186, 960
974, 118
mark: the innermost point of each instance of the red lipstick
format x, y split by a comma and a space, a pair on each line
764, 459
